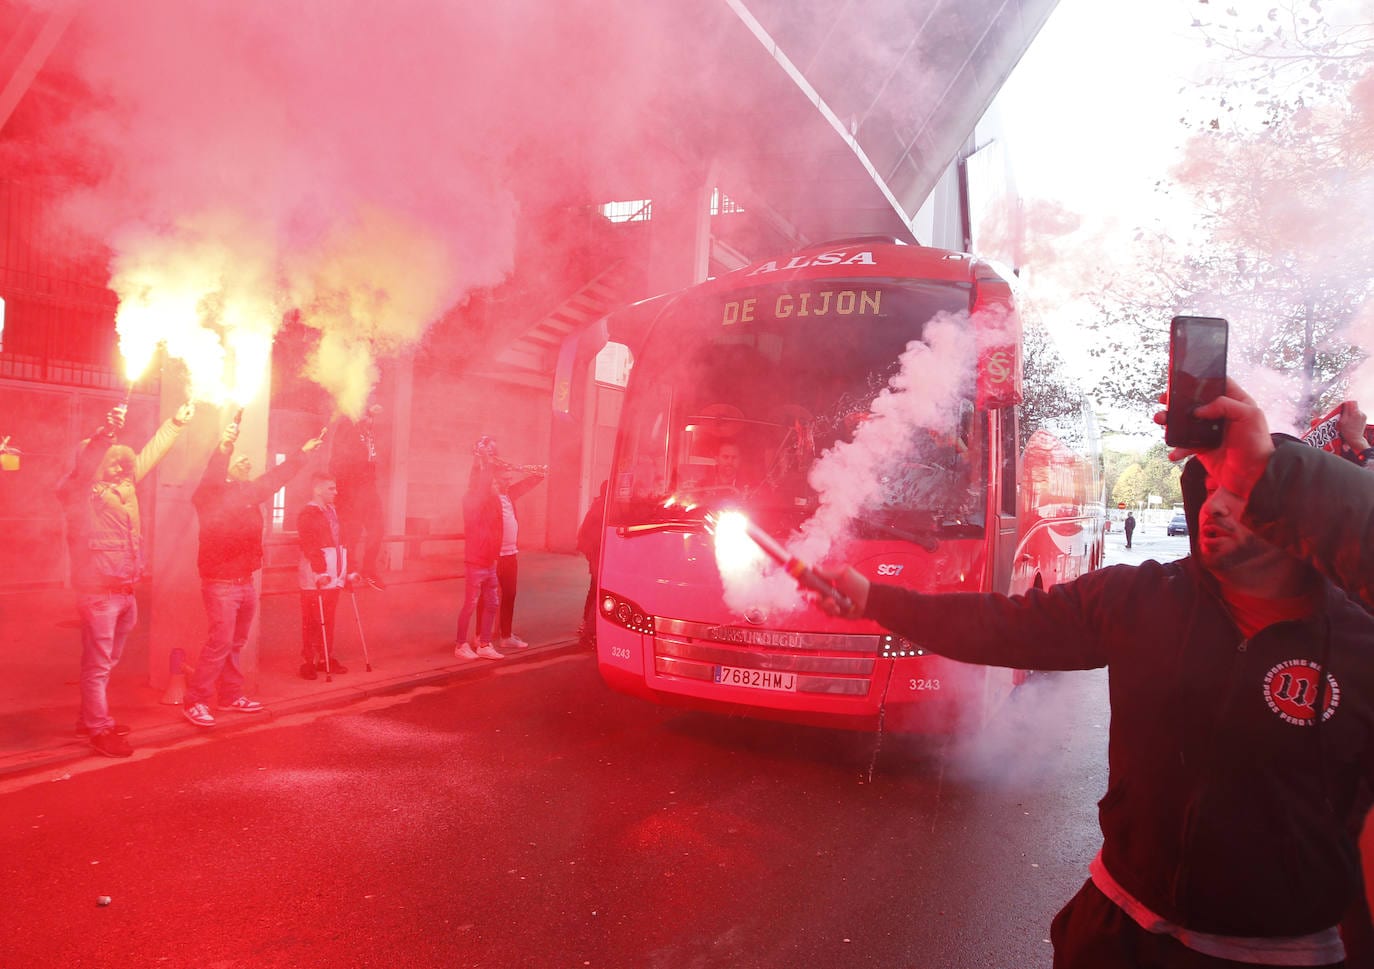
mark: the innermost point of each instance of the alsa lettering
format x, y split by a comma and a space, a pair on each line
833, 258
842, 302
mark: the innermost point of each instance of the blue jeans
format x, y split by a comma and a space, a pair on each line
479, 586
230, 608
106, 620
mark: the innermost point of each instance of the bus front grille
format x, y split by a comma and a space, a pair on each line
824, 663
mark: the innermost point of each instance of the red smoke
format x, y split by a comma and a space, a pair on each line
364, 163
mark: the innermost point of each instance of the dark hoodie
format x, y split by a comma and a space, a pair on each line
1225, 803
230, 516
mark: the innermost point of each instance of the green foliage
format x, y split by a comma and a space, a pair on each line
1130, 487
1132, 478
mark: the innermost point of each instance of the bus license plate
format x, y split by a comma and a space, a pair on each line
757, 679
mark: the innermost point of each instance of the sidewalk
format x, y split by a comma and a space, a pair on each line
409, 627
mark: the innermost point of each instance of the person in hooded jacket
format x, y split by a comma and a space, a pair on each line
105, 546
1319, 507
1242, 724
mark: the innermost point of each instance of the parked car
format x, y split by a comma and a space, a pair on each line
1178, 525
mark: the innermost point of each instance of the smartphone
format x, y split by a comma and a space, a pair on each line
1197, 375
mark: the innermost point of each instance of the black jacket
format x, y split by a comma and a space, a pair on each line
1226, 803
353, 455
589, 532
230, 516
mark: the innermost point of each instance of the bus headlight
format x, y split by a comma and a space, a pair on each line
895, 646
623, 612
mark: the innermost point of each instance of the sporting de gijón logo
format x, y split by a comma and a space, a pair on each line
1290, 689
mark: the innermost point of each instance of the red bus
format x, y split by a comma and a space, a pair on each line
740, 385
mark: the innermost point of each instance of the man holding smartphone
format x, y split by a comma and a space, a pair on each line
1242, 722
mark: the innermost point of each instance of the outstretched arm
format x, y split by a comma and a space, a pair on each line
1054, 630
523, 486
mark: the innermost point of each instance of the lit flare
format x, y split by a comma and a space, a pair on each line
733, 530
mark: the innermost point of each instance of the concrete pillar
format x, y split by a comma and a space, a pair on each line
680, 233
397, 482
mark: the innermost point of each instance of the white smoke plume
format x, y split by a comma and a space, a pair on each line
934, 375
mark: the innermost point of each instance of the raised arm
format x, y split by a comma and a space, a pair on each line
1320, 508
277, 477
524, 485
88, 458
156, 449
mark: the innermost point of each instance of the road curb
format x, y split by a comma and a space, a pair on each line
177, 729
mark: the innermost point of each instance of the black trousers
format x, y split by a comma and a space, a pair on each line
360, 523
589, 607
1091, 932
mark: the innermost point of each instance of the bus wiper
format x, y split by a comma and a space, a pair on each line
662, 525
928, 540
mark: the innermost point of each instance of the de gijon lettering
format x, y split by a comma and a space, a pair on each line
824, 302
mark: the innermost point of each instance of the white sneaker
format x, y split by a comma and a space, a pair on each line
514, 642
488, 651
199, 714
465, 651
243, 705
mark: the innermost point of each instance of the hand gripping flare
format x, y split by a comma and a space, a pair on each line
807, 577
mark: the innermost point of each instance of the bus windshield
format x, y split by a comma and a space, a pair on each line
736, 393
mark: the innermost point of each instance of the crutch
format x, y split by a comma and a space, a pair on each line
353, 595
324, 636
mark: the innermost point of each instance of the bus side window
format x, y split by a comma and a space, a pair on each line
1009, 454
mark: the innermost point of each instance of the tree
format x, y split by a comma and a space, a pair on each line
1146, 474
1130, 487
1113, 464
1050, 399
1160, 476
1276, 173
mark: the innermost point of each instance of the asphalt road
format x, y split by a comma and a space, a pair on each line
533, 818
